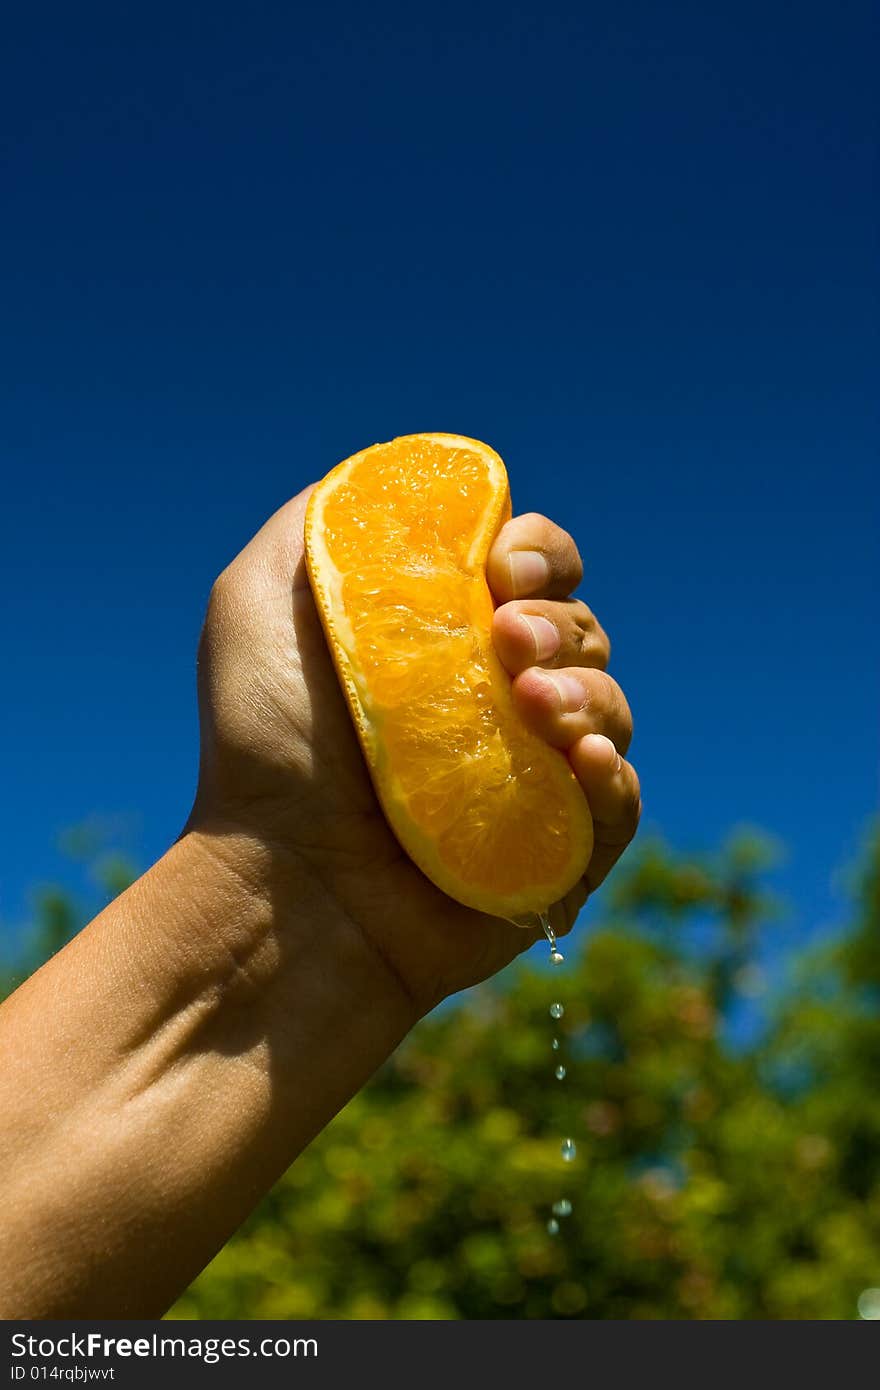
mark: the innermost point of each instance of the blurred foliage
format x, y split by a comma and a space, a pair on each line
719, 1174
57, 914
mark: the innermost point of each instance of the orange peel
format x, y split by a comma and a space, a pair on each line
396, 541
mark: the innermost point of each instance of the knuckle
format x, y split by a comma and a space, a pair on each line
605, 695
588, 638
626, 717
223, 593
583, 619
618, 708
542, 534
533, 521
222, 585
632, 804
576, 564
609, 709
567, 557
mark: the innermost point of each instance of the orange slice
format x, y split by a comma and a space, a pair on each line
396, 545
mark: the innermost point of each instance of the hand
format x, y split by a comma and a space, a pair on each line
282, 770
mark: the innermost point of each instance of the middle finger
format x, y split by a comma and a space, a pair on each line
544, 632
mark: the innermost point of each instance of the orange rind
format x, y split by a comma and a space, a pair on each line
396, 542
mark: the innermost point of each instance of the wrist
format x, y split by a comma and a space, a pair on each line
253, 925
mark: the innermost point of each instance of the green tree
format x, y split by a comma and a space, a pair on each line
57, 914
714, 1178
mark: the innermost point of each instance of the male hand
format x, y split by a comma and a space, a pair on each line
282, 770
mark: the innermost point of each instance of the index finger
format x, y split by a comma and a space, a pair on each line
532, 557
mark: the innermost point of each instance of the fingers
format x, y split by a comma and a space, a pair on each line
535, 632
612, 790
532, 557
562, 706
611, 787
557, 653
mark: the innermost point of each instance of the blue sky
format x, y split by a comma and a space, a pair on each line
630, 246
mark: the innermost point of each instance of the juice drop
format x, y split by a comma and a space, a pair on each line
542, 920
556, 956
568, 1148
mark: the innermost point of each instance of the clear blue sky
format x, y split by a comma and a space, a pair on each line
628, 245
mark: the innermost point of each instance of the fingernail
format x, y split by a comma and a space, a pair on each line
572, 695
545, 635
528, 571
611, 753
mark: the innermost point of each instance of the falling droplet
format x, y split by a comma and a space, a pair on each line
553, 1227
556, 1011
869, 1305
562, 1207
560, 1073
568, 1150
555, 1044
556, 956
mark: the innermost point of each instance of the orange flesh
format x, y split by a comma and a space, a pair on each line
396, 545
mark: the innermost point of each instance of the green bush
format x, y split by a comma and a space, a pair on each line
715, 1177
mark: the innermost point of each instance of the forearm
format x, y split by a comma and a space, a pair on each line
163, 1070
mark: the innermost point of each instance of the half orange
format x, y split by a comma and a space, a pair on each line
396, 544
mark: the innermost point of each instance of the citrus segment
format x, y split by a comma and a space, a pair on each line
396, 544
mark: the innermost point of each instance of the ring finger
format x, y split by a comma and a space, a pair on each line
564, 705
